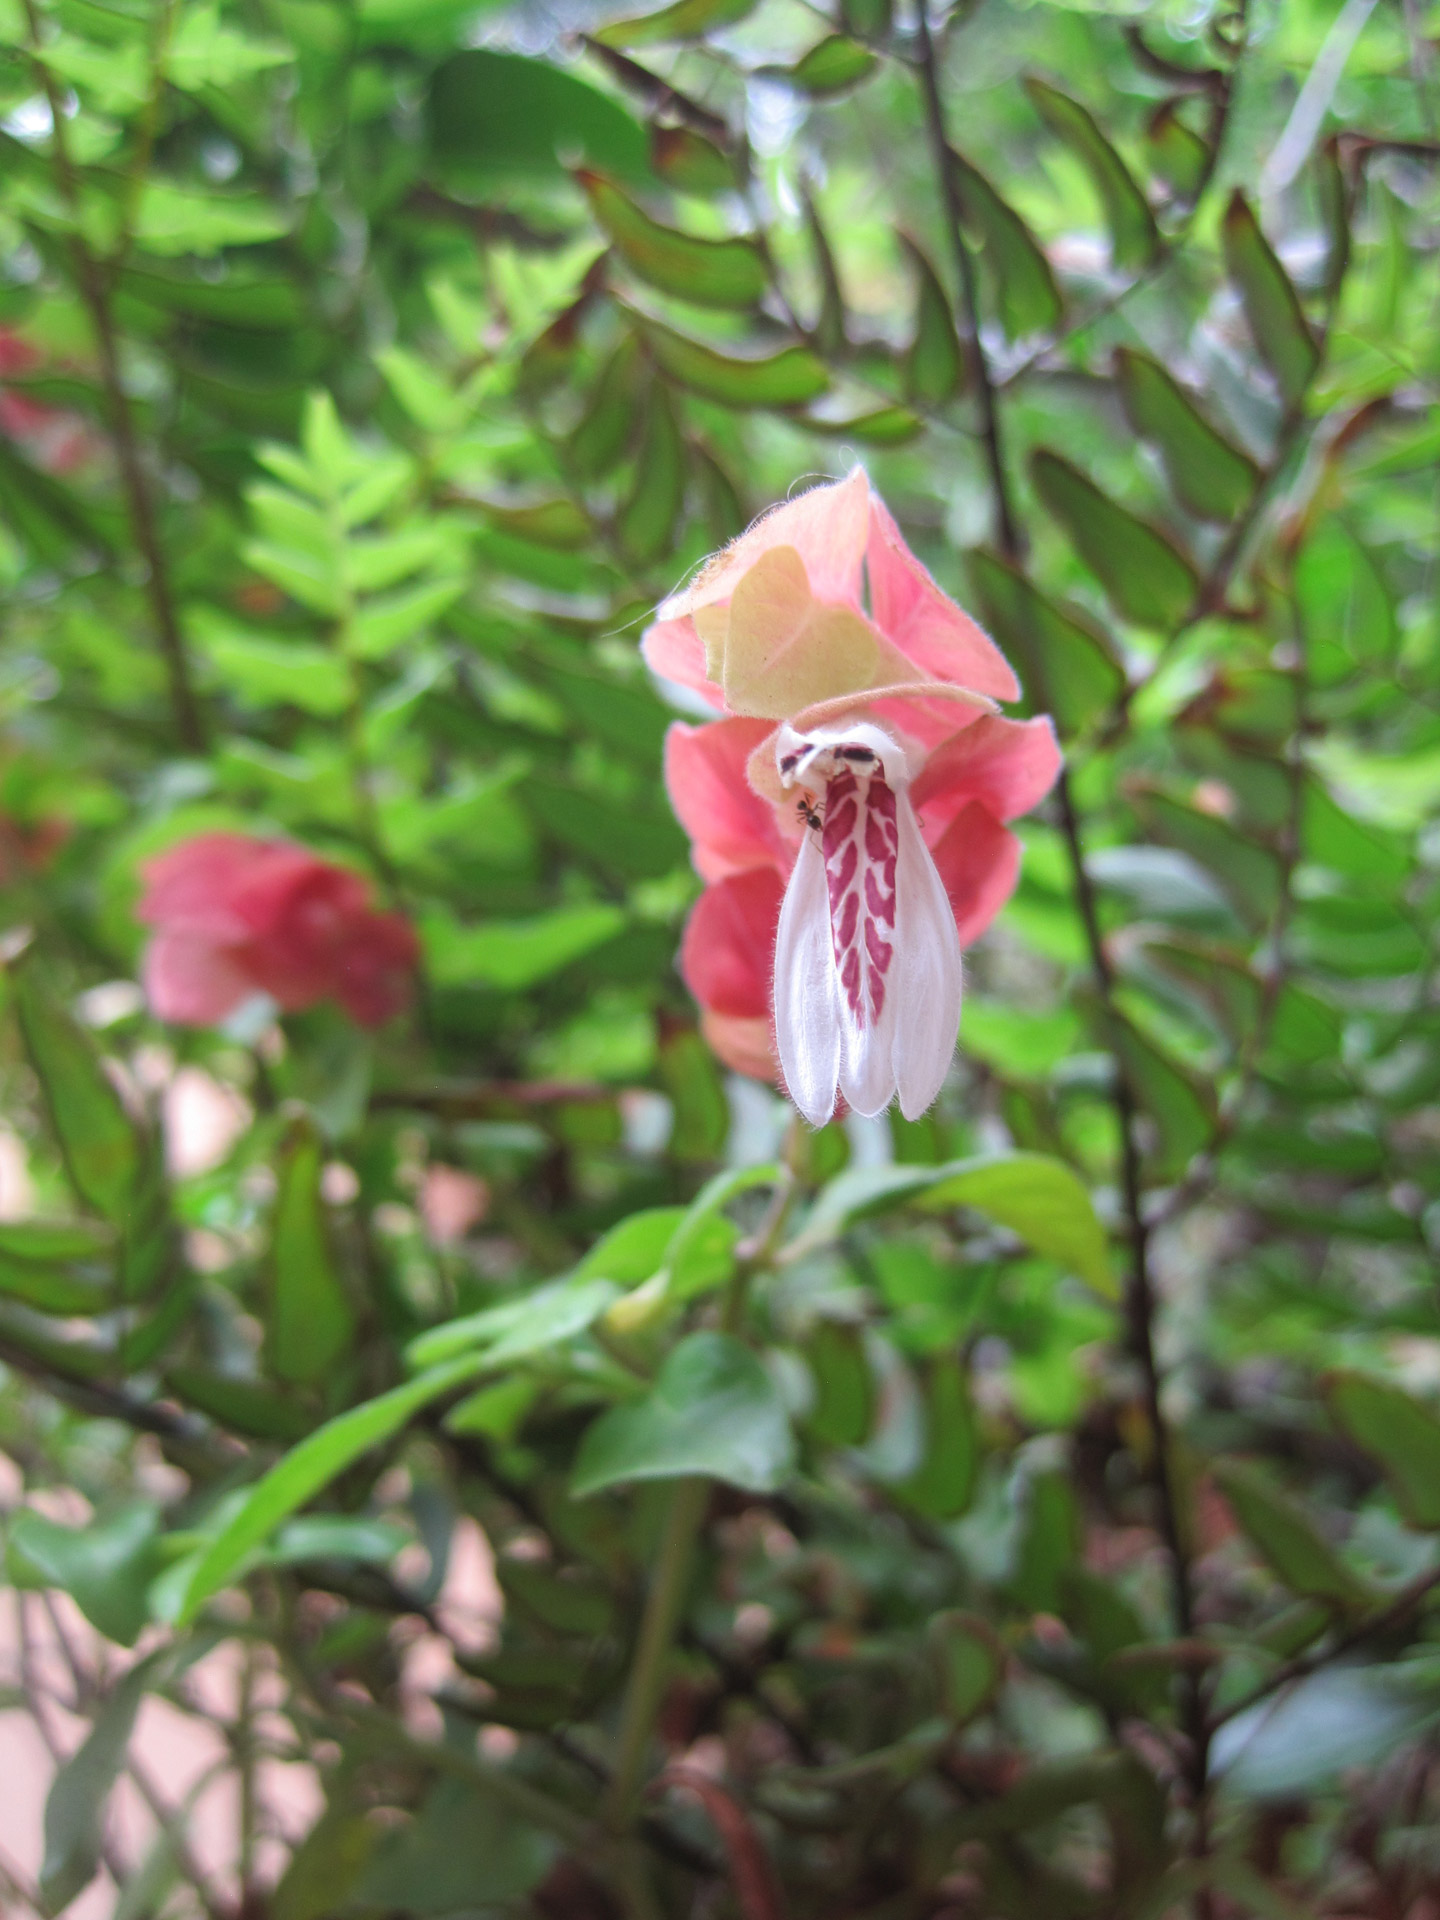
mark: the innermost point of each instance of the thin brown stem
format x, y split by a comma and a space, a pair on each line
140, 506
1007, 527
1390, 1615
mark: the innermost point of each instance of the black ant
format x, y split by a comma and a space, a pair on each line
810, 814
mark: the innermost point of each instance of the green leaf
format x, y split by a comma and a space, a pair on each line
261, 671
1177, 155
512, 954
1026, 293
685, 20
1313, 1737
971, 1662
1210, 478
310, 1325
1149, 580
1051, 1534
882, 427
1287, 1538
844, 1407
1397, 1430
75, 1805
712, 273
785, 379
113, 1165
105, 1567
1134, 237
934, 362
608, 425
382, 624
515, 1329
242, 1405
309, 1467
648, 519
172, 219
1066, 663
1271, 303
464, 1852
1039, 1199
323, 1869
833, 65
943, 1485
689, 162
1180, 1105
1247, 872
497, 116
56, 1286
206, 52
713, 1410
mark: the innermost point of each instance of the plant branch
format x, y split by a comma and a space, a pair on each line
663, 1608
184, 706
1006, 526
1390, 1615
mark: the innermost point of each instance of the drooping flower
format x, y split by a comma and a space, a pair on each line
236, 915
851, 850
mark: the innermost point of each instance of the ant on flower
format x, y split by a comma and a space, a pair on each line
810, 813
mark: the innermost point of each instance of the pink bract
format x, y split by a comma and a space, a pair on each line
236, 915
933, 686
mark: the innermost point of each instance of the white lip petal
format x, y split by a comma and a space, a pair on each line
926, 977
867, 959
807, 999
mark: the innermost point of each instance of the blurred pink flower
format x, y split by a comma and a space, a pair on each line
452, 1201
54, 437
236, 916
852, 850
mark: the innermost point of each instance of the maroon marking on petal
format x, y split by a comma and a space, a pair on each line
839, 821
877, 841
882, 905
845, 931
879, 950
841, 875
850, 980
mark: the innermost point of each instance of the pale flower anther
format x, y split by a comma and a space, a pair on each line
867, 956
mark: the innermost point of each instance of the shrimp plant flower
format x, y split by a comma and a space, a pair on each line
847, 806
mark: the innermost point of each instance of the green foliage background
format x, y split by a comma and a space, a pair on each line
1030, 1510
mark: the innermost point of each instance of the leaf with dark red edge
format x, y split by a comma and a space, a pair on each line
685, 20
1134, 237
713, 273
1177, 154
833, 65
884, 427
1066, 663
1146, 576
1211, 478
648, 518
608, 422
493, 115
1272, 306
689, 162
1285, 1536
934, 363
828, 333
789, 378
1399, 1431
1025, 289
